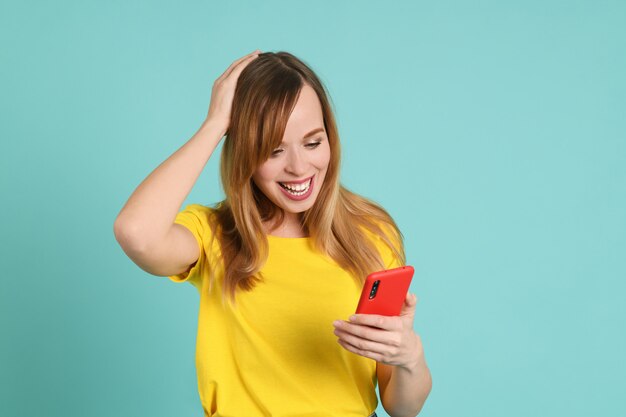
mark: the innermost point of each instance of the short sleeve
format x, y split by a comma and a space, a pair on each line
195, 217
389, 258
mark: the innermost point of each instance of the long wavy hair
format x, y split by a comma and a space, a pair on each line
340, 223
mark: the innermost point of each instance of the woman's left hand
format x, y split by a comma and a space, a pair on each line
386, 339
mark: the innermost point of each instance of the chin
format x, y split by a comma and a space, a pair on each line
294, 207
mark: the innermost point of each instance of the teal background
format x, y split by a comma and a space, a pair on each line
494, 132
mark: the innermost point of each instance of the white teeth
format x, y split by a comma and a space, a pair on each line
297, 187
296, 192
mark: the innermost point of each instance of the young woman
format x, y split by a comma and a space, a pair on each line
280, 262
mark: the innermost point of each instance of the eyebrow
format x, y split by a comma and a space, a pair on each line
311, 133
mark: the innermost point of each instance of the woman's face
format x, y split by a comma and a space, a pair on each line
301, 161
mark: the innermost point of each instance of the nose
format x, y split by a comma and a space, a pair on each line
296, 163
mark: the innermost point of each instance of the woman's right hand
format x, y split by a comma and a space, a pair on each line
224, 91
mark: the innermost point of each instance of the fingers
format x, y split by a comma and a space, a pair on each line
375, 320
245, 58
361, 346
353, 334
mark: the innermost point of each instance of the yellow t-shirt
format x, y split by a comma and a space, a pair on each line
276, 353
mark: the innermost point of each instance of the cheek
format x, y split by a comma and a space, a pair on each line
323, 158
266, 172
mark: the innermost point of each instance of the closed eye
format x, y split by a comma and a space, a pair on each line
312, 145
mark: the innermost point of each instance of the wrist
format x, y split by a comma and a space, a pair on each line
417, 364
213, 128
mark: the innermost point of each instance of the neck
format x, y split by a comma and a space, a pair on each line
290, 227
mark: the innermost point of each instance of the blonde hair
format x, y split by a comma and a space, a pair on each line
339, 220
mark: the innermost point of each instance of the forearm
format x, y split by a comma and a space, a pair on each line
151, 209
407, 389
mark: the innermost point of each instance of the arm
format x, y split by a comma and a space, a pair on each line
403, 390
149, 213
403, 378
147, 217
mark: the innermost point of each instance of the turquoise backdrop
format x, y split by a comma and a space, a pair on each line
493, 131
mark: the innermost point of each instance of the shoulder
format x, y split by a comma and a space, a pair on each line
200, 219
198, 209
388, 240
380, 231
201, 212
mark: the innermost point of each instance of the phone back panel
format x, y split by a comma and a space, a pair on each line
393, 285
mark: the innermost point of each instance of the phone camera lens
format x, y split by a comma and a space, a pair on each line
374, 289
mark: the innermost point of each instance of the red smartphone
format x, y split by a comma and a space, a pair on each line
384, 291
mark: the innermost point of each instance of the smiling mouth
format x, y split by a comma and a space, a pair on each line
297, 189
